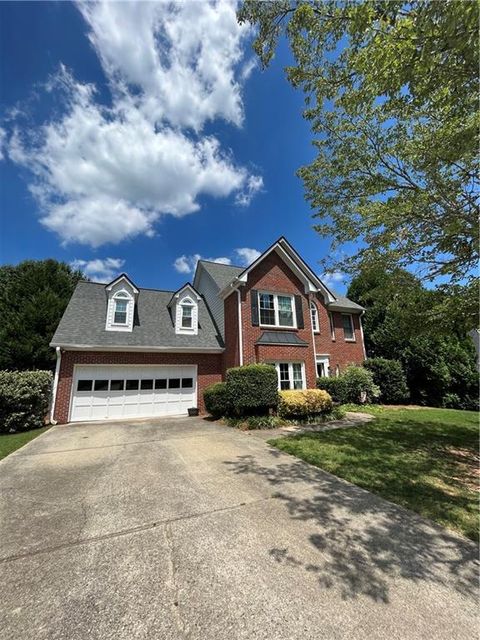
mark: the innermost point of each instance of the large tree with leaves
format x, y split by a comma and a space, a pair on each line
391, 92
441, 369
33, 297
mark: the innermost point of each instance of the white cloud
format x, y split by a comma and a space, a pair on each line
100, 269
332, 278
103, 174
247, 256
252, 185
3, 139
188, 264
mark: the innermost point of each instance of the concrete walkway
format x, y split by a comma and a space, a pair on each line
182, 529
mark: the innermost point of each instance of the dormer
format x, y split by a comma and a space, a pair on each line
121, 298
184, 307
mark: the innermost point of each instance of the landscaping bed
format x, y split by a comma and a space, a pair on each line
421, 458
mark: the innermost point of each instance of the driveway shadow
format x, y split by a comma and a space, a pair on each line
363, 542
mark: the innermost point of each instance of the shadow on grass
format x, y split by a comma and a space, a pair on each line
363, 542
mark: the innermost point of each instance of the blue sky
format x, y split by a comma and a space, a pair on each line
137, 138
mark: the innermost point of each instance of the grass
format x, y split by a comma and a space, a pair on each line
10, 442
421, 458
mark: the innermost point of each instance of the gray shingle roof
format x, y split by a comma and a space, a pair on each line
83, 322
221, 273
281, 337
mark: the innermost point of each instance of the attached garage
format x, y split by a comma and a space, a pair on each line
136, 391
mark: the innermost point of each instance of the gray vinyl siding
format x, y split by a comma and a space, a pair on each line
206, 286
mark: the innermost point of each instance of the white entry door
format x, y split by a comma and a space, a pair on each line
115, 392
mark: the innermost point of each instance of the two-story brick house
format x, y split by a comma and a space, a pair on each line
125, 352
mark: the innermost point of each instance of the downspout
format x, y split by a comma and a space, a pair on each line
55, 384
361, 333
240, 329
310, 300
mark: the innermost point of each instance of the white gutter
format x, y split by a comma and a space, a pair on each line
361, 333
55, 384
310, 300
240, 328
139, 349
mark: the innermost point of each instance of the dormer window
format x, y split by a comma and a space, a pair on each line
187, 314
121, 305
122, 295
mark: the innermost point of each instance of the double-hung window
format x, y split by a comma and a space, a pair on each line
187, 315
314, 316
290, 375
348, 331
276, 310
121, 306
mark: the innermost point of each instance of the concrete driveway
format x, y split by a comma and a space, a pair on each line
184, 529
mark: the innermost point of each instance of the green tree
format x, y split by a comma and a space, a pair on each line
398, 324
33, 297
391, 96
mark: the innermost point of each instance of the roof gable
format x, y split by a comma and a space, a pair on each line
120, 278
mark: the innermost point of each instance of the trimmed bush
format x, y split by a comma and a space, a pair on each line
252, 389
216, 400
390, 377
306, 403
356, 385
24, 399
331, 386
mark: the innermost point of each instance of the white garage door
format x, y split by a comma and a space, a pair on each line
107, 393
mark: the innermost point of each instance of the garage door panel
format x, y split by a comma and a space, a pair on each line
116, 392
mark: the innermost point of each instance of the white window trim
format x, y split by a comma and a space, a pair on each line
277, 363
314, 312
276, 310
186, 301
353, 328
326, 360
125, 296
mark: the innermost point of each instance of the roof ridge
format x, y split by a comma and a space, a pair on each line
222, 264
103, 284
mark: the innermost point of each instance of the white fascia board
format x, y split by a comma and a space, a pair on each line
110, 286
185, 287
89, 347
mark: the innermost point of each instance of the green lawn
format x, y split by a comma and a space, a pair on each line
12, 441
424, 459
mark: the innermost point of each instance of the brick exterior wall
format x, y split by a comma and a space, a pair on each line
272, 274
209, 370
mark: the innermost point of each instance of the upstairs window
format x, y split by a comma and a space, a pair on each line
120, 315
332, 325
314, 315
348, 331
187, 314
276, 310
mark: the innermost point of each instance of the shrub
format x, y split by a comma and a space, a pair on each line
304, 403
252, 389
331, 386
216, 400
357, 385
390, 377
24, 399
255, 422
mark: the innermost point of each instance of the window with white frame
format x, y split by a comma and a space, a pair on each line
323, 365
187, 314
121, 308
290, 375
276, 310
314, 316
332, 325
348, 331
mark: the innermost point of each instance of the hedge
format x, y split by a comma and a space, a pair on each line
304, 403
216, 400
252, 389
390, 377
355, 384
24, 399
